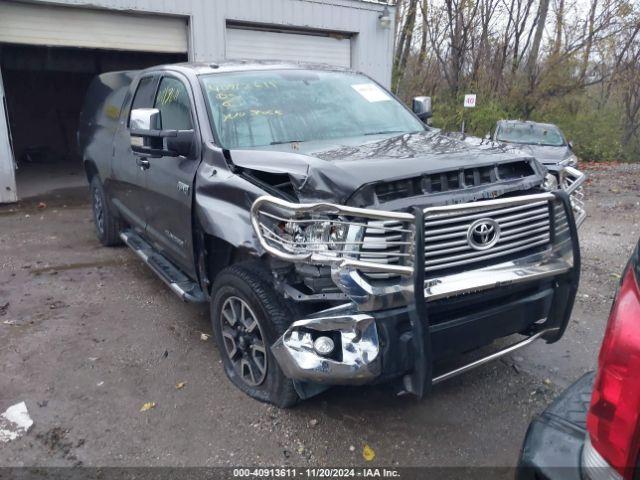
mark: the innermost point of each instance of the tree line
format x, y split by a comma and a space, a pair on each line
575, 63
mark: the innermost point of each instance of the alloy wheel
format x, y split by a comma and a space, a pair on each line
98, 211
243, 341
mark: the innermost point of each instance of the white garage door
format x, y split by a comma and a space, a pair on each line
78, 27
243, 43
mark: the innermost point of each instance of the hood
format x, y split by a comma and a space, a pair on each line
335, 170
545, 154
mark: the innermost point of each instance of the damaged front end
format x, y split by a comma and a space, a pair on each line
421, 285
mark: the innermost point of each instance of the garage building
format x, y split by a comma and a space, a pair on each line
51, 49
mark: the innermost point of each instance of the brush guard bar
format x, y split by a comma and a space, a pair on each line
362, 363
421, 379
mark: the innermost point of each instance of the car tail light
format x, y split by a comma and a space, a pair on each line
613, 421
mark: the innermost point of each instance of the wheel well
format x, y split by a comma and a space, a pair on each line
220, 254
90, 169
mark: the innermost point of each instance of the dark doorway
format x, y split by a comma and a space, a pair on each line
45, 89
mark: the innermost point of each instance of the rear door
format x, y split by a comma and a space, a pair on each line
7, 162
129, 172
170, 179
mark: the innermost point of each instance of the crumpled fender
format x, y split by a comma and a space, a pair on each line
223, 198
222, 204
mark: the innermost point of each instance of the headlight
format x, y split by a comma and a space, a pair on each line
327, 234
300, 236
572, 160
550, 182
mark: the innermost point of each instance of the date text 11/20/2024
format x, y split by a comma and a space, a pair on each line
292, 472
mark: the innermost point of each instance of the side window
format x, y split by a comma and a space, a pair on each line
145, 93
174, 105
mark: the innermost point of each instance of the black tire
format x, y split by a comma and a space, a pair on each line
251, 284
108, 226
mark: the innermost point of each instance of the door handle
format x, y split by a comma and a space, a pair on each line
143, 163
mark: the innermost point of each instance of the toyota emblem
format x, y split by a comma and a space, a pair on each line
483, 234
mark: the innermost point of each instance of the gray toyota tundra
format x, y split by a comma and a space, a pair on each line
336, 237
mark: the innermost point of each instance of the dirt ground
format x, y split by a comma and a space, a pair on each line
88, 335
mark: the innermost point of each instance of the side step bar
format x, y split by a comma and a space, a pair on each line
493, 356
178, 282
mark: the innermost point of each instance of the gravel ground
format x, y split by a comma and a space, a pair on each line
89, 335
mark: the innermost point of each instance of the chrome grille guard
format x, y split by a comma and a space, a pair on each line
571, 181
553, 255
281, 213
556, 255
422, 379
358, 331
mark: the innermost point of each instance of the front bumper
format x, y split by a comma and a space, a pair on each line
405, 331
378, 346
356, 359
553, 444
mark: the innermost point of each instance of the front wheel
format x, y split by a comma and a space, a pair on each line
247, 317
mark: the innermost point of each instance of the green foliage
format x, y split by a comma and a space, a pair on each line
448, 115
578, 68
595, 131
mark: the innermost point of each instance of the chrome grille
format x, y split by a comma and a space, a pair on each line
524, 227
385, 242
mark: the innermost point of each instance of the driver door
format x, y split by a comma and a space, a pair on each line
170, 179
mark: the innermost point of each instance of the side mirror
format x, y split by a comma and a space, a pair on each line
145, 119
422, 108
181, 144
570, 145
144, 125
487, 136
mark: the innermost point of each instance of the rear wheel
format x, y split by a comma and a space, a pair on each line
247, 317
108, 226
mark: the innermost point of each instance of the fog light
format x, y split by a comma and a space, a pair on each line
323, 345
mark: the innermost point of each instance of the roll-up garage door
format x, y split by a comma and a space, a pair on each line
256, 44
38, 24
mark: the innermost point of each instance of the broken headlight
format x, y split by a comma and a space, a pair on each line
300, 236
328, 234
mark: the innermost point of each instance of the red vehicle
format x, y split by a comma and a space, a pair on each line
592, 430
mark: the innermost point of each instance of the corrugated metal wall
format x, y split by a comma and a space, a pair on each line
372, 47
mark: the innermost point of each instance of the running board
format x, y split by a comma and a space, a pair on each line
178, 282
489, 358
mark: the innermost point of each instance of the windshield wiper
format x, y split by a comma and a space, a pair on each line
286, 141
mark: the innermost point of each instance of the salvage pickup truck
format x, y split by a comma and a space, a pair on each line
337, 238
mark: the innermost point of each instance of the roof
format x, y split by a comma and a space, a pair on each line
526, 122
200, 68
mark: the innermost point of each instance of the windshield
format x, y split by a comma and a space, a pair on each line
251, 109
532, 134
